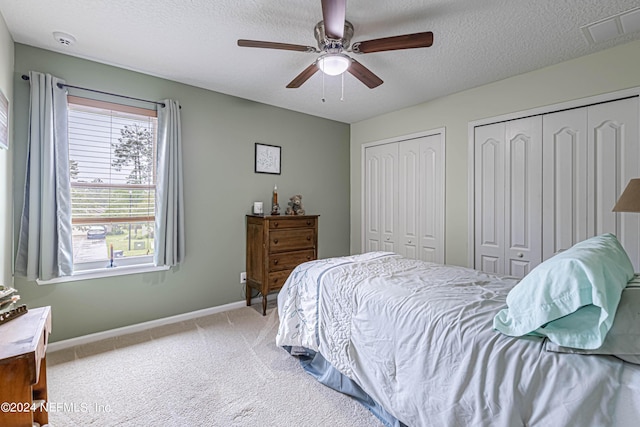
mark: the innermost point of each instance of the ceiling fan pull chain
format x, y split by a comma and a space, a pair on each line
323, 100
342, 94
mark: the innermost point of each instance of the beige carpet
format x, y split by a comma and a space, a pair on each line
219, 370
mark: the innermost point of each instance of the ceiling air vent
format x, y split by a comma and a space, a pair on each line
614, 26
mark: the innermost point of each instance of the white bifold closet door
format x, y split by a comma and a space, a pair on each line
508, 196
545, 182
381, 198
421, 204
404, 198
590, 154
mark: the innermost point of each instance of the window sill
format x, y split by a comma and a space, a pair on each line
105, 272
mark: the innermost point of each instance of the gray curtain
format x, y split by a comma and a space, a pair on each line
169, 238
45, 249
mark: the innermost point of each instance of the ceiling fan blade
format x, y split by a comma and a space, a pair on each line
406, 41
334, 13
303, 76
273, 45
363, 74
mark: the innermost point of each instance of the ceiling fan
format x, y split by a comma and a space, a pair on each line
333, 35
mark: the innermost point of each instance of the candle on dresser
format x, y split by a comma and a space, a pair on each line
111, 254
275, 195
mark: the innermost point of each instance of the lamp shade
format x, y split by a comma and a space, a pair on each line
334, 64
630, 199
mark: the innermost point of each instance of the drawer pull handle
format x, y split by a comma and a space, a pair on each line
308, 222
275, 280
308, 237
275, 241
275, 224
275, 261
308, 258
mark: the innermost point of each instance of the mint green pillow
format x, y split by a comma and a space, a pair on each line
572, 297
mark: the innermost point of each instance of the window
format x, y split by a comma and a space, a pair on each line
112, 153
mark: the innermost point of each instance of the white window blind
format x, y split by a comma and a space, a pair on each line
112, 162
112, 158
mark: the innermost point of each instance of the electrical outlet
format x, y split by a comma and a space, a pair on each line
243, 277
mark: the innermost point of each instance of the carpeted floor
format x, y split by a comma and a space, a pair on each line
219, 370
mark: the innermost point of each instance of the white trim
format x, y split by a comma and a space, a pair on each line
547, 109
140, 327
471, 207
437, 131
404, 137
105, 272
576, 103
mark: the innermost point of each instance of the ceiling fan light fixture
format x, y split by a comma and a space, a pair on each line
334, 64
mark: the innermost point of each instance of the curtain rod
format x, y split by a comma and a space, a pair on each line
61, 85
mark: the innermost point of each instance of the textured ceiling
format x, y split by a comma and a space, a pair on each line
194, 42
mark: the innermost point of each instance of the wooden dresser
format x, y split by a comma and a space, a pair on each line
275, 246
23, 368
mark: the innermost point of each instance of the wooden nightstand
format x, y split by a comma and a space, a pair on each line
275, 246
23, 368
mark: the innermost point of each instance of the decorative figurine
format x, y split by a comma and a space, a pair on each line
295, 205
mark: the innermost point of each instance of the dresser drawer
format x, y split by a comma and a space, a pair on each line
292, 223
277, 279
289, 260
289, 240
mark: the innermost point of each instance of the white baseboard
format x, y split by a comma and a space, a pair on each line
139, 327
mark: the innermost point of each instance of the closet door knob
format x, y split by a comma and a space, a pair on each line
520, 254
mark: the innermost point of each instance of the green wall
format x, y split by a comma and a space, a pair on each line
606, 71
219, 132
6, 172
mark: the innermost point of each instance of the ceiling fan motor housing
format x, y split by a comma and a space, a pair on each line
326, 44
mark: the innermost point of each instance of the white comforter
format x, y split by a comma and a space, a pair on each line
418, 338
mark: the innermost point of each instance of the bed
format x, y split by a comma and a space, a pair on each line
416, 342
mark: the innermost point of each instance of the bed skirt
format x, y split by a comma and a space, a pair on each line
318, 367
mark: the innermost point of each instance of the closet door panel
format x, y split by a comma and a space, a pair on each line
607, 149
489, 198
614, 155
523, 195
409, 198
431, 198
564, 180
381, 200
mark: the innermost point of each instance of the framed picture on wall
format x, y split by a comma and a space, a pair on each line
4, 121
267, 158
